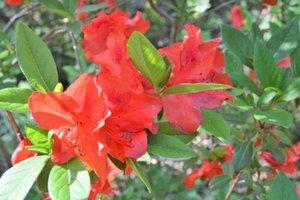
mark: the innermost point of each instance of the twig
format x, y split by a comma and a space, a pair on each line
179, 25
5, 154
14, 125
76, 52
52, 31
213, 10
162, 13
233, 185
17, 16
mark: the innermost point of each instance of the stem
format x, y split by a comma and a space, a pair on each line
5, 154
296, 111
162, 13
233, 185
14, 125
76, 52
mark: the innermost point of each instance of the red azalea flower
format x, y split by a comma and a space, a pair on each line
285, 62
73, 117
96, 33
21, 153
288, 166
14, 2
298, 190
206, 172
237, 17
270, 2
194, 62
228, 156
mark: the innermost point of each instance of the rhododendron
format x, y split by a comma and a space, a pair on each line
194, 62
14, 2
207, 171
21, 153
237, 17
73, 116
270, 2
288, 165
96, 33
285, 62
228, 156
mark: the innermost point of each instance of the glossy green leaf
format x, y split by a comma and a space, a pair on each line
291, 90
240, 104
168, 146
35, 60
42, 179
219, 181
196, 87
168, 72
233, 117
215, 124
282, 188
75, 27
246, 82
55, 6
256, 34
284, 41
120, 165
295, 61
70, 6
15, 99
238, 43
228, 168
93, 7
69, 181
265, 197
146, 59
135, 167
267, 170
274, 116
277, 78
265, 98
264, 64
242, 155
37, 135
166, 128
16, 182
283, 137
39, 148
274, 27
236, 133
232, 63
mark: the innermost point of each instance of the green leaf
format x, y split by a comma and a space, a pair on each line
283, 137
3, 36
120, 165
75, 27
215, 124
240, 104
242, 155
69, 181
93, 7
274, 116
168, 146
168, 72
284, 41
277, 78
282, 188
265, 98
236, 133
228, 168
39, 148
55, 6
219, 181
248, 179
16, 182
267, 170
70, 6
146, 59
135, 167
37, 135
265, 197
35, 60
256, 34
246, 82
274, 27
264, 64
166, 128
295, 61
15, 99
291, 90
232, 63
233, 117
42, 179
196, 87
238, 43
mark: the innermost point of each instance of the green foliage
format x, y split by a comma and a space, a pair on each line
219, 181
15, 99
242, 155
274, 116
17, 181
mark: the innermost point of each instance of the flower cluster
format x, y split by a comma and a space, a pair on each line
108, 114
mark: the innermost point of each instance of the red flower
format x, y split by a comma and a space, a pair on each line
270, 2
14, 2
237, 17
194, 62
228, 156
73, 117
288, 166
285, 62
206, 172
21, 153
96, 33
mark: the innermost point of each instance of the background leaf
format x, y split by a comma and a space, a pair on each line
15, 99
219, 181
245, 81
274, 116
242, 155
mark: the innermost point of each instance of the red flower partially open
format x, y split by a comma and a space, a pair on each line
21, 153
194, 62
206, 172
237, 17
14, 2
